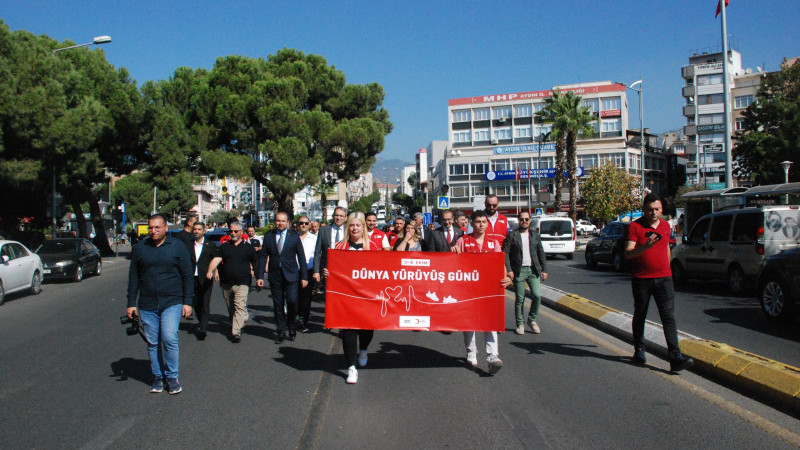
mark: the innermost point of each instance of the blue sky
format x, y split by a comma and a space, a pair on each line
426, 52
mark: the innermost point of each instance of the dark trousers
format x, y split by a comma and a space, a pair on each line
202, 300
284, 301
663, 292
353, 341
304, 301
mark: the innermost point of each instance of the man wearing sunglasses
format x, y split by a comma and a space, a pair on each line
239, 261
309, 241
526, 264
498, 223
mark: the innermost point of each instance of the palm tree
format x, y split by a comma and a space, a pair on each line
571, 119
550, 114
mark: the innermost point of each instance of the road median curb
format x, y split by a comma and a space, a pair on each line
771, 379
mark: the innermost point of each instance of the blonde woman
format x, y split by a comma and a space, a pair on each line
410, 239
355, 342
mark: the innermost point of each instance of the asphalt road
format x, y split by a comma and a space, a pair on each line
705, 309
71, 378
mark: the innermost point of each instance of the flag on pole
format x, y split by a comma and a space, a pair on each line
517, 174
719, 7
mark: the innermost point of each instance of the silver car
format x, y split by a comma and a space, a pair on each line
20, 269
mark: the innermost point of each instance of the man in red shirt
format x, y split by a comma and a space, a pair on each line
648, 250
498, 223
479, 241
377, 237
399, 224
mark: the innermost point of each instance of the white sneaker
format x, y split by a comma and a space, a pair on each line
362, 358
520, 330
495, 365
472, 359
534, 327
352, 375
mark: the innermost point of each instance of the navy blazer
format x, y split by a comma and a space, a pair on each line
291, 263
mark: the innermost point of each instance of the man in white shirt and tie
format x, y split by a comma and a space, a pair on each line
327, 238
445, 238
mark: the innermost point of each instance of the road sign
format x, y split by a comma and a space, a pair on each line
443, 202
426, 219
539, 211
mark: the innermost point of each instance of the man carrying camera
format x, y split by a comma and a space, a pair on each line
160, 291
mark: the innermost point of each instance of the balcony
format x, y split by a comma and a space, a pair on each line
689, 110
690, 130
687, 72
688, 91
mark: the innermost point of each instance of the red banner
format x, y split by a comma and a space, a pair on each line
378, 290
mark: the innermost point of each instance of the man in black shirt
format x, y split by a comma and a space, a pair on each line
187, 234
239, 261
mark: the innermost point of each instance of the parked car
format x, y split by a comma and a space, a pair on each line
558, 235
20, 269
609, 247
732, 244
585, 228
778, 285
69, 259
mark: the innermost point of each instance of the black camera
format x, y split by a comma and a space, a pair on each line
133, 321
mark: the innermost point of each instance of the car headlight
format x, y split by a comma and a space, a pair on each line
62, 264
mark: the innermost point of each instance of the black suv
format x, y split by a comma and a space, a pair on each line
609, 247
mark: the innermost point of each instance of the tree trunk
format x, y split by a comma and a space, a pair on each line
559, 179
323, 200
76, 209
285, 204
572, 169
100, 236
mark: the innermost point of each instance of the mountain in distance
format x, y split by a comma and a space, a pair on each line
388, 169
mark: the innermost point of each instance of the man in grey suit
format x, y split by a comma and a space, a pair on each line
444, 238
327, 238
427, 233
526, 263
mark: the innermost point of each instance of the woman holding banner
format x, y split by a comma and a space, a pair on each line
409, 239
355, 342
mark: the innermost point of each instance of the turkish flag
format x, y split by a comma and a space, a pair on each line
719, 7
415, 291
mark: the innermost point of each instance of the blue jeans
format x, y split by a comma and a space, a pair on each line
161, 330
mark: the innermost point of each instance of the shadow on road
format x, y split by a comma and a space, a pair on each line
753, 319
138, 369
541, 348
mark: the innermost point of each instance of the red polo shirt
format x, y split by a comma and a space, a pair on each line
499, 230
377, 238
654, 263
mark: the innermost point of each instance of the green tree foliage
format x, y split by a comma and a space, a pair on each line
570, 119
772, 130
609, 192
221, 216
71, 113
364, 204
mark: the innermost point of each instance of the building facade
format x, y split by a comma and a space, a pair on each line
495, 139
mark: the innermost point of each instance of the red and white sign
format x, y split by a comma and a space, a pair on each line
611, 113
583, 90
415, 291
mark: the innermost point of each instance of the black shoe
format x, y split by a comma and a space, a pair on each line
200, 335
292, 335
681, 363
280, 338
639, 356
236, 338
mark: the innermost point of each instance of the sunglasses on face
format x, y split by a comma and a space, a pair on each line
236, 231
524, 219
302, 223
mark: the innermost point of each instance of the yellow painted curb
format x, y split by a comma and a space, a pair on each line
774, 379
585, 307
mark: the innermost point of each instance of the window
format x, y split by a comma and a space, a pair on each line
502, 133
740, 126
478, 189
501, 112
459, 190
745, 227
690, 121
611, 125
481, 114
501, 164
699, 231
587, 161
523, 111
461, 136
523, 132
521, 163
479, 168
502, 190
542, 129
482, 135
592, 104
710, 99
633, 162
709, 119
544, 163
462, 115
618, 159
743, 101
705, 80
459, 169
612, 103
720, 228
538, 107
712, 138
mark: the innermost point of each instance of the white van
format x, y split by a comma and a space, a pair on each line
558, 234
731, 244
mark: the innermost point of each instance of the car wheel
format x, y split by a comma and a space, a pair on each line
99, 268
2, 293
678, 275
36, 283
619, 262
78, 274
774, 299
736, 279
590, 261
570, 256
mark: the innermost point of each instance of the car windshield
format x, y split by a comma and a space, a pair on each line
555, 227
58, 247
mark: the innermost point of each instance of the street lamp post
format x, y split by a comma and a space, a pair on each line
785, 165
98, 40
641, 122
